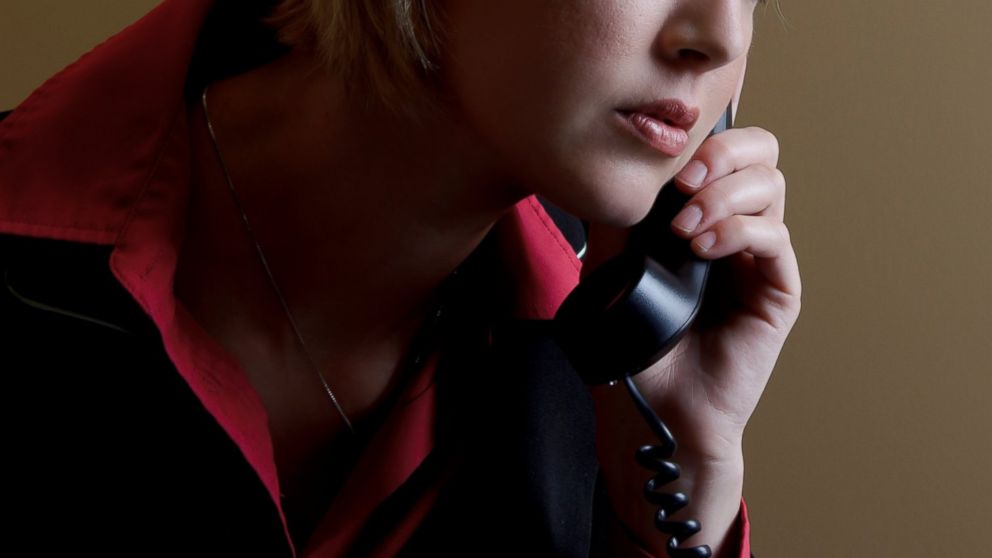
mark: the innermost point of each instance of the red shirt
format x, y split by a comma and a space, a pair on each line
100, 154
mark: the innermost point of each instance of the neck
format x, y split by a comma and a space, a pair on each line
360, 214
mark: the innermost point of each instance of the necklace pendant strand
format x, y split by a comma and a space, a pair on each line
424, 339
268, 272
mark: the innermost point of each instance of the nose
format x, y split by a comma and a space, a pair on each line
700, 35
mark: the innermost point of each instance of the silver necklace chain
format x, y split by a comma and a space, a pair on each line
424, 339
265, 264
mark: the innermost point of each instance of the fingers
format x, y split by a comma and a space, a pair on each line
766, 238
737, 205
760, 236
728, 152
756, 190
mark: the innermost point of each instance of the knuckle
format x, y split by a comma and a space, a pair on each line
774, 176
784, 234
773, 145
716, 201
768, 140
719, 153
779, 178
735, 224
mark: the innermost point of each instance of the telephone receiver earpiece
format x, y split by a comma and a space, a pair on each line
629, 312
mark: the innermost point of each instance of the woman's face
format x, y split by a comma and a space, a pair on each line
545, 85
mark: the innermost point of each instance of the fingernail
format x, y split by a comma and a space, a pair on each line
694, 173
688, 219
705, 241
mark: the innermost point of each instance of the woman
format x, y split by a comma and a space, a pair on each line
241, 232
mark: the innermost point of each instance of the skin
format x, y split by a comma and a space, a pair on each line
530, 91
543, 95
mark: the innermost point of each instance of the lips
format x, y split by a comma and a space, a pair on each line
669, 111
663, 125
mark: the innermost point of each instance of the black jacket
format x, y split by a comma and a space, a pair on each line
109, 450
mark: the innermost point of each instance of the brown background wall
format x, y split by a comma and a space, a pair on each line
873, 438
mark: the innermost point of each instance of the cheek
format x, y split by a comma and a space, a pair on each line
717, 93
543, 105
542, 113
530, 72
495, 54
519, 98
555, 136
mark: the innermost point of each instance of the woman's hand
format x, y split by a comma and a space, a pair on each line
708, 386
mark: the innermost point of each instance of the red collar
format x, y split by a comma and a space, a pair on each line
106, 132
100, 154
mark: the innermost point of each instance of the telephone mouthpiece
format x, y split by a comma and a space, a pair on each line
630, 311
628, 314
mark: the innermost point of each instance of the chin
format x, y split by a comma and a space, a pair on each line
616, 199
614, 210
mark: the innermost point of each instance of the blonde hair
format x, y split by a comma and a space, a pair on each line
384, 50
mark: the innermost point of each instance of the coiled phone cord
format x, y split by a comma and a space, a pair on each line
657, 459
625, 316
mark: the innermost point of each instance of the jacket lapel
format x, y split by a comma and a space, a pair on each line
72, 279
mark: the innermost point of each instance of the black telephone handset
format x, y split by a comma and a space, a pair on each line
628, 314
